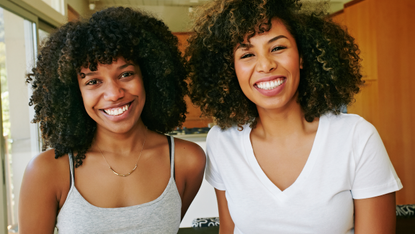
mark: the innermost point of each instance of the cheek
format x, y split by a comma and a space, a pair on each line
293, 62
245, 87
142, 95
139, 90
88, 103
84, 96
242, 73
88, 99
240, 70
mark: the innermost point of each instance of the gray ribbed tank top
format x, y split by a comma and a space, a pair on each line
162, 215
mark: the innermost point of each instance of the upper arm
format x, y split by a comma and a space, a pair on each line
190, 163
374, 173
39, 196
227, 225
375, 215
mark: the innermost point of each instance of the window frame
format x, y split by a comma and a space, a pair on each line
41, 21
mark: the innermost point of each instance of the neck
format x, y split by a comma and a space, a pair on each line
282, 124
121, 143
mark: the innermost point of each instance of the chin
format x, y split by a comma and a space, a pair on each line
116, 128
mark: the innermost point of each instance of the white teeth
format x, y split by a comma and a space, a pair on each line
117, 111
267, 85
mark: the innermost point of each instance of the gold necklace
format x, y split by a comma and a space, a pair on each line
136, 164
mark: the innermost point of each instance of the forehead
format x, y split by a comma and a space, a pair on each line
278, 25
117, 62
277, 28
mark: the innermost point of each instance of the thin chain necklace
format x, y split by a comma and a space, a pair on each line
136, 164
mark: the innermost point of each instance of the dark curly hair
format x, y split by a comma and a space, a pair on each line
331, 64
107, 35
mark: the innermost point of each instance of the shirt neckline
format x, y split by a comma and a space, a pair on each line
167, 189
250, 156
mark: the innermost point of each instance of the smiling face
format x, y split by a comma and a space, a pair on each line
268, 68
113, 95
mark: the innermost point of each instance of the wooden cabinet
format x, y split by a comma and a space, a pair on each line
358, 18
367, 104
384, 32
72, 14
194, 117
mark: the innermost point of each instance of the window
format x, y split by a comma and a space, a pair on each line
21, 138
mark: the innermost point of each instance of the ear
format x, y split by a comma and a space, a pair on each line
301, 62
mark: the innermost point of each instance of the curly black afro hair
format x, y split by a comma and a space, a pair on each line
331, 64
107, 35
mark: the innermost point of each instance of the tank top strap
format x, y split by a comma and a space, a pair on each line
71, 168
171, 147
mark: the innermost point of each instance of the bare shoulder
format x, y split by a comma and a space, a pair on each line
44, 171
45, 164
44, 188
189, 154
190, 162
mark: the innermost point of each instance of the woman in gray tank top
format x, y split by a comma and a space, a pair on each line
105, 91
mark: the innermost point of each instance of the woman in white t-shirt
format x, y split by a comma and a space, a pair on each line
283, 159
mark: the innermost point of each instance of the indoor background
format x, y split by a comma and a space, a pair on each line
382, 28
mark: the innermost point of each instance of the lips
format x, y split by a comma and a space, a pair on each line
117, 110
270, 86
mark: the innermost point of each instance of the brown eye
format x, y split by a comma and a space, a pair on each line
92, 82
246, 56
127, 74
277, 48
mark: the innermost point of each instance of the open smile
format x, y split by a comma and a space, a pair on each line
117, 110
270, 84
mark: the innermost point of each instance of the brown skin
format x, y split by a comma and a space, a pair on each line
376, 215
46, 182
226, 223
281, 124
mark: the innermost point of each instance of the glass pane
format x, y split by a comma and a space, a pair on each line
43, 35
17, 53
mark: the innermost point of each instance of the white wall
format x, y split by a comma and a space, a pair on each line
48, 10
204, 205
80, 6
175, 17
336, 6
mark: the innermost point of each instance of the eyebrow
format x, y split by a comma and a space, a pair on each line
124, 66
94, 72
243, 45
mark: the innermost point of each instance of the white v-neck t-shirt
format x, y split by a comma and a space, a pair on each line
348, 161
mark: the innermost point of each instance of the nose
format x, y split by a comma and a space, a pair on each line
265, 64
114, 91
